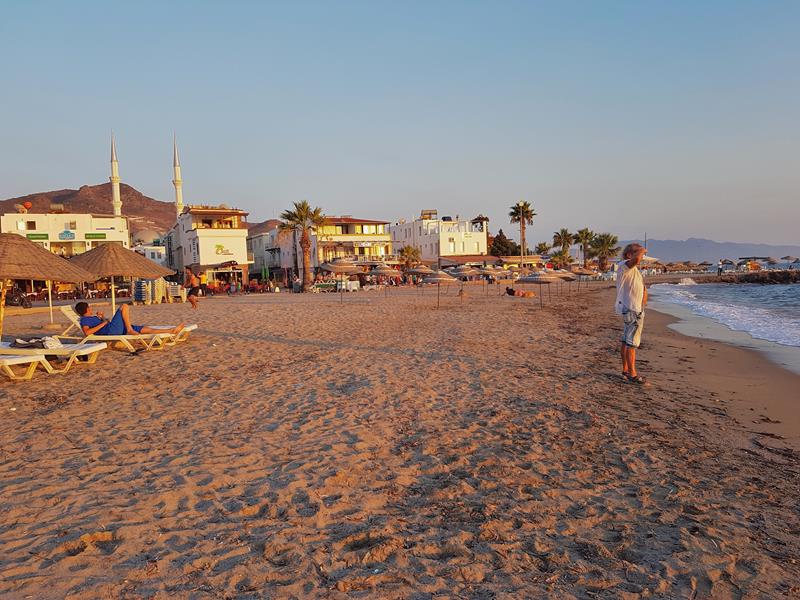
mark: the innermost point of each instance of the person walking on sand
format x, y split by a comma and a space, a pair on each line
192, 283
631, 300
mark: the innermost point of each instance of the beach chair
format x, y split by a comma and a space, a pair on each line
7, 361
69, 353
145, 341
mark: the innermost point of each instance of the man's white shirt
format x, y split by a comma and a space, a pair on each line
630, 289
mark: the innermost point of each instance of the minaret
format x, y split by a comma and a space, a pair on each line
116, 201
177, 181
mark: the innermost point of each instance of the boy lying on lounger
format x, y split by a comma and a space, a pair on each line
120, 324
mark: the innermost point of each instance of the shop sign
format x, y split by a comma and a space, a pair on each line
366, 244
66, 235
219, 249
95, 236
37, 236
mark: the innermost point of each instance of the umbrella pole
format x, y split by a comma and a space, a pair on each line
2, 305
50, 298
341, 289
113, 298
541, 300
438, 294
550, 292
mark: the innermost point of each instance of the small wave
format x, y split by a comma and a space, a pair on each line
687, 281
761, 323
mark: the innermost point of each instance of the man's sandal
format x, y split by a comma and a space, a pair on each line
637, 379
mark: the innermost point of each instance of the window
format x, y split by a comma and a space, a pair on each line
369, 229
358, 229
452, 247
30, 225
20, 225
153, 255
70, 226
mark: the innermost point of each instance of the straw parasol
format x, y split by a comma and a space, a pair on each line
112, 260
421, 270
341, 267
438, 277
385, 270
22, 259
540, 277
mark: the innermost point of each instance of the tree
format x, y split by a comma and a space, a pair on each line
561, 259
604, 246
542, 248
522, 213
584, 237
563, 239
304, 220
502, 246
410, 256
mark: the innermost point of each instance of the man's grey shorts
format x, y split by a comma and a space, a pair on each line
632, 331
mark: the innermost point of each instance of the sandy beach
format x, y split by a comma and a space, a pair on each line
381, 448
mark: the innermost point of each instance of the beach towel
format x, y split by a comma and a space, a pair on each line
46, 342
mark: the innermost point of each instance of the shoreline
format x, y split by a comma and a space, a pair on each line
758, 392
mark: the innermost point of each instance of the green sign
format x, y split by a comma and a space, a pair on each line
37, 236
95, 236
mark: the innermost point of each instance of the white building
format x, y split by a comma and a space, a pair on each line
155, 253
436, 237
68, 234
209, 239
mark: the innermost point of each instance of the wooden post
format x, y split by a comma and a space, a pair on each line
50, 299
2, 306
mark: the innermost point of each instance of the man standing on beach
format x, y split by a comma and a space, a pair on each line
631, 300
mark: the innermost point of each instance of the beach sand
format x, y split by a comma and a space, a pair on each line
382, 448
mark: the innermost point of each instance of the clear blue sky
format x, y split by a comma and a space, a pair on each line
675, 118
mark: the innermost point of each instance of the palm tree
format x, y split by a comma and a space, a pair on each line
584, 237
563, 239
604, 246
542, 248
522, 212
561, 259
304, 220
410, 256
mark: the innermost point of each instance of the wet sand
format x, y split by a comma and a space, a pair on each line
382, 448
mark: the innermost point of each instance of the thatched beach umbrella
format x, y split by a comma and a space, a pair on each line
22, 259
421, 270
438, 277
540, 277
112, 260
340, 267
385, 270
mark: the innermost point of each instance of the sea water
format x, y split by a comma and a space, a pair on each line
765, 312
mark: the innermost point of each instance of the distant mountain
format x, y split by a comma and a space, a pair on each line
263, 227
145, 213
698, 250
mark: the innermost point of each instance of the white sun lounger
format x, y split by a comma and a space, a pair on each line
68, 353
32, 361
146, 341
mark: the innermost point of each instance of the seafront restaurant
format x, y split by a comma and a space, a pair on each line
68, 234
211, 240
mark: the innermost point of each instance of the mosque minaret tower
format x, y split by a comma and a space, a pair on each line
177, 181
116, 201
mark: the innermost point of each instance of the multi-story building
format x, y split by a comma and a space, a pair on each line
210, 240
436, 238
364, 240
